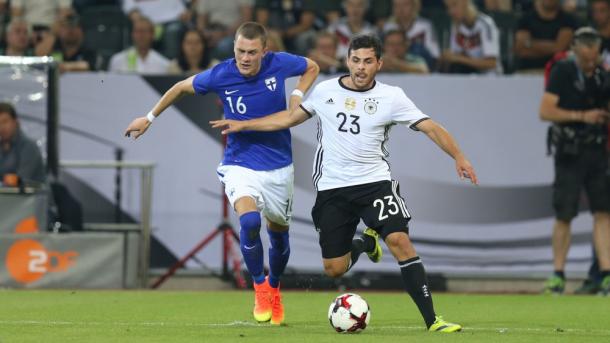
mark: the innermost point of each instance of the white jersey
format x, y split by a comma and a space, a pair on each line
353, 129
479, 41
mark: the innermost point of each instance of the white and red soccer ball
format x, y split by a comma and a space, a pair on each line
349, 313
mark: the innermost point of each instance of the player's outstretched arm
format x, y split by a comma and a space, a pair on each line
445, 141
139, 125
277, 121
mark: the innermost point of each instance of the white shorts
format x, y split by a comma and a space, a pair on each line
272, 190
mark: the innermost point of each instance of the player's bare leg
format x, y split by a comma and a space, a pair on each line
415, 281
279, 251
601, 238
561, 244
337, 266
252, 251
367, 243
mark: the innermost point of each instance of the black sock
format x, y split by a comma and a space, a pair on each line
357, 249
560, 274
360, 245
416, 284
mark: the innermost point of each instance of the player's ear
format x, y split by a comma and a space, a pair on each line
379, 63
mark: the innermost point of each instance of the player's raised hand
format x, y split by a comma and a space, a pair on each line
227, 125
137, 127
465, 170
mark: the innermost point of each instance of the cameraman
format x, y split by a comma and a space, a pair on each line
575, 102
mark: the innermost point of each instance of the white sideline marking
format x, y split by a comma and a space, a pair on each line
251, 324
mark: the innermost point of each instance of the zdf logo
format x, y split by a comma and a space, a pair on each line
27, 261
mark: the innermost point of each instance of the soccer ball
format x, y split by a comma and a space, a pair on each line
349, 313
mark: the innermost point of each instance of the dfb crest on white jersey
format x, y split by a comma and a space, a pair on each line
271, 83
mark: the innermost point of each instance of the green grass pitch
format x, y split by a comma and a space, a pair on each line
212, 316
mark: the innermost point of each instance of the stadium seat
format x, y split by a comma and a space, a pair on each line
106, 30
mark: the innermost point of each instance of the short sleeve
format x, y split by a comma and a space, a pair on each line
557, 80
490, 43
405, 112
430, 41
293, 65
310, 103
202, 83
453, 45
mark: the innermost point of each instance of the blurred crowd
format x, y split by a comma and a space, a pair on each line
185, 37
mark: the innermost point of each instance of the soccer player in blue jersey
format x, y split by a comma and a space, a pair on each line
257, 167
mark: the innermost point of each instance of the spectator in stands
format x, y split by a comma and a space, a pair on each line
419, 31
18, 154
474, 42
168, 16
292, 20
542, 33
17, 39
576, 104
40, 14
194, 56
600, 13
325, 54
218, 21
396, 57
66, 46
140, 58
351, 25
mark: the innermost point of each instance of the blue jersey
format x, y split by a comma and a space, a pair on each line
246, 98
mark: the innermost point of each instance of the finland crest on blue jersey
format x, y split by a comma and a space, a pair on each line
246, 98
271, 83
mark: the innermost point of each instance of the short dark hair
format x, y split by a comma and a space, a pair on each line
365, 42
252, 30
5, 107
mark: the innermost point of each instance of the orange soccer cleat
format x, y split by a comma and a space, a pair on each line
262, 302
277, 308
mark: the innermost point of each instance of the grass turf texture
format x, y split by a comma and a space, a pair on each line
160, 316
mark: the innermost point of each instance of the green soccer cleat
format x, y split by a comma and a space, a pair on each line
604, 286
440, 325
377, 253
554, 285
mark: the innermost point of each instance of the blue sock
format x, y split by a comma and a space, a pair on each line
251, 246
279, 251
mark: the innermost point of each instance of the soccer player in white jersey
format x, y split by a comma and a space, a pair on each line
351, 172
257, 169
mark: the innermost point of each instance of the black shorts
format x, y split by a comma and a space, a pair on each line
338, 211
575, 172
